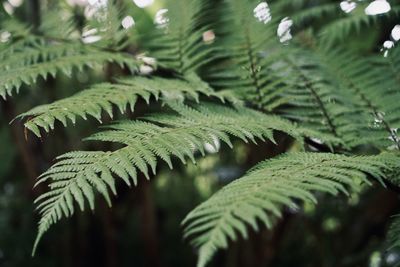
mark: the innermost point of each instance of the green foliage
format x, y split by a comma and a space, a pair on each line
41, 55
371, 95
79, 174
302, 87
177, 41
122, 94
31, 63
259, 196
249, 69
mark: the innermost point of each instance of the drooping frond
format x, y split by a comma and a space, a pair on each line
271, 75
252, 48
177, 42
289, 80
354, 22
78, 175
32, 53
260, 195
332, 23
316, 102
372, 91
124, 93
27, 66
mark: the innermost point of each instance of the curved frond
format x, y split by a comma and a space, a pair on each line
260, 195
177, 41
101, 97
77, 175
27, 66
372, 91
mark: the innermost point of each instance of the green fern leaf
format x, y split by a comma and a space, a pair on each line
260, 195
178, 43
122, 94
78, 174
64, 59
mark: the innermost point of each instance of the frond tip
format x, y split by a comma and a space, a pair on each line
78, 175
264, 191
27, 66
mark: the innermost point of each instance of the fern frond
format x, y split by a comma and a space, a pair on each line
308, 97
62, 59
178, 44
330, 22
78, 175
252, 48
124, 93
339, 29
310, 13
390, 63
261, 194
373, 92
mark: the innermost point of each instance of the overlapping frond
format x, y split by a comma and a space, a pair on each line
101, 97
177, 42
391, 63
77, 175
252, 50
371, 90
332, 23
260, 195
315, 101
27, 66
33, 53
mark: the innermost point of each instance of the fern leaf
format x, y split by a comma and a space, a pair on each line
178, 44
78, 174
373, 94
261, 194
92, 102
61, 61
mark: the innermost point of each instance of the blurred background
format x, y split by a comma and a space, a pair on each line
143, 227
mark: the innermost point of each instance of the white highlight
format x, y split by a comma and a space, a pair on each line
161, 18
147, 60
98, 4
145, 70
208, 36
77, 2
89, 37
396, 33
377, 7
388, 44
143, 3
347, 6
5, 37
284, 30
262, 12
8, 8
16, 3
128, 22
214, 147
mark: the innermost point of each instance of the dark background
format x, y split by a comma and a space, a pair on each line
143, 227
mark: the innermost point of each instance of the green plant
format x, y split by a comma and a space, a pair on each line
219, 73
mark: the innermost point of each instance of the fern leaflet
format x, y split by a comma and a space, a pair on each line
124, 93
78, 175
260, 195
